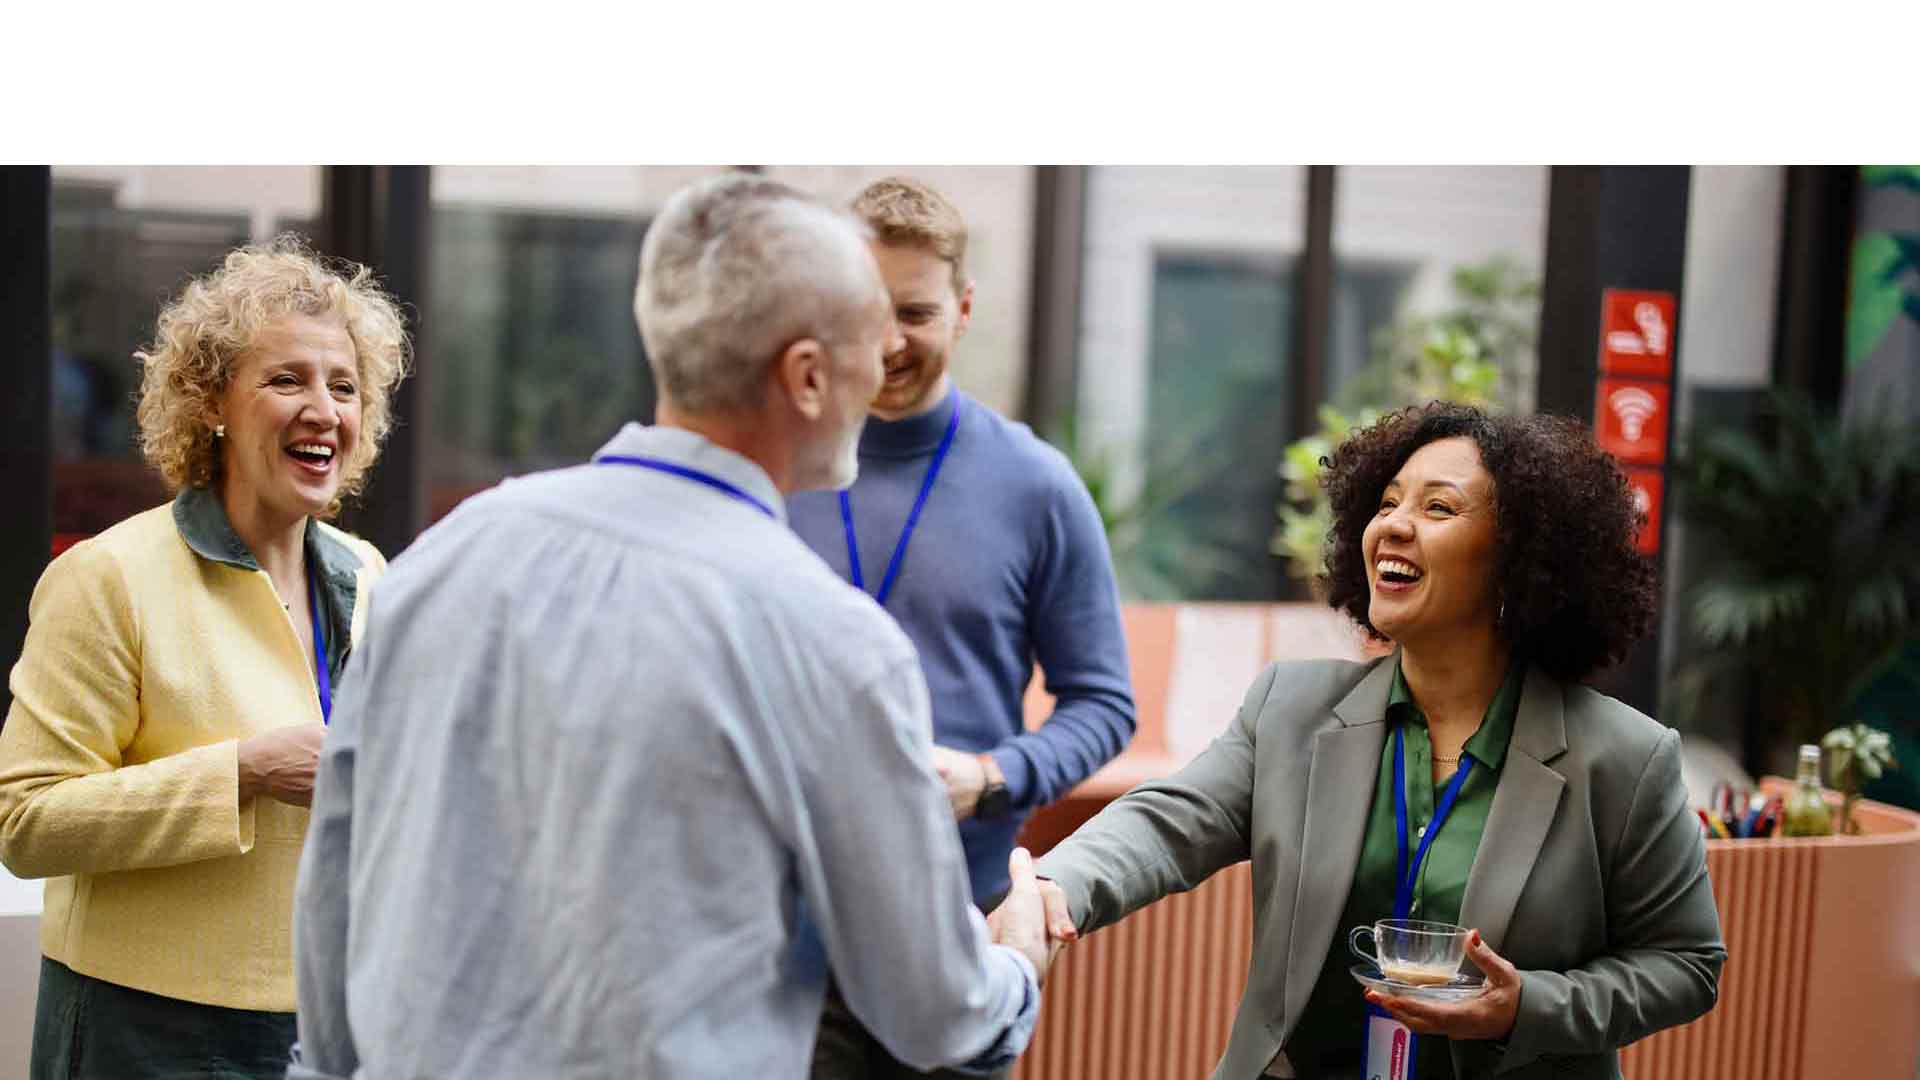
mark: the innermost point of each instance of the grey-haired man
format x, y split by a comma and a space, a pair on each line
585, 806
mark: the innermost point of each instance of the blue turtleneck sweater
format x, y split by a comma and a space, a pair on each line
1007, 566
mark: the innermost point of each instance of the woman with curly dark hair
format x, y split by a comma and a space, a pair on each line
1467, 778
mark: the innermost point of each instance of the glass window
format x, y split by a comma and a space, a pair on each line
125, 239
1367, 295
1184, 373
1419, 248
1218, 396
535, 357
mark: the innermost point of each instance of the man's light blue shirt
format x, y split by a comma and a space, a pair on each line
620, 769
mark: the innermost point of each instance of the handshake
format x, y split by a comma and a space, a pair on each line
1033, 918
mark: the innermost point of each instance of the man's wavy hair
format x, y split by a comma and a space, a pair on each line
909, 212
204, 331
1574, 591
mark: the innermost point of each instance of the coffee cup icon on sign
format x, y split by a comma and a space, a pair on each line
1650, 340
1653, 327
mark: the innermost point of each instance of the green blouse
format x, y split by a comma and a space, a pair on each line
1329, 1033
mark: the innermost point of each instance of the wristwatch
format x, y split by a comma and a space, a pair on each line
994, 801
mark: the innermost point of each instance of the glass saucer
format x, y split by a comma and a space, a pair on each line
1466, 985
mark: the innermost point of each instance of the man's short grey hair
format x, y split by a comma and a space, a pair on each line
734, 270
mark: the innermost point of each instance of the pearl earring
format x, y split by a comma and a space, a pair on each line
219, 431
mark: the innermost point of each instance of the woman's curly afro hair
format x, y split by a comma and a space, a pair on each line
1574, 591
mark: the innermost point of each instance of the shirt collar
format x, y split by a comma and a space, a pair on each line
1488, 745
204, 525
695, 451
202, 522
912, 436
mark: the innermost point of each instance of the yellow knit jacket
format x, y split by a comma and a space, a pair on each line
152, 649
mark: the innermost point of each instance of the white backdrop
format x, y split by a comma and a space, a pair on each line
19, 971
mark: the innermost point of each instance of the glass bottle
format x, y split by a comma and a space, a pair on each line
1807, 812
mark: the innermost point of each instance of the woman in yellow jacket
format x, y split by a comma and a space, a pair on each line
169, 703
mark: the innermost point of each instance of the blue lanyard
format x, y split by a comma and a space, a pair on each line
320, 672
694, 475
1404, 874
913, 516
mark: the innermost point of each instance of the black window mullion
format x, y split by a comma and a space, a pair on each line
1313, 305
378, 216
26, 409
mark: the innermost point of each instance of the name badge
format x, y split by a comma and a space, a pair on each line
1389, 1048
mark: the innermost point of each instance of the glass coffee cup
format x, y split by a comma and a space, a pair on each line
1412, 951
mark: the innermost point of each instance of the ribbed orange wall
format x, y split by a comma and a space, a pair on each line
1758, 1030
1153, 997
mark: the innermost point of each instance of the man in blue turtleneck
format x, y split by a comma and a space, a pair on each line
985, 546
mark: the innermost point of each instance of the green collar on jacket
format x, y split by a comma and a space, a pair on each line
204, 525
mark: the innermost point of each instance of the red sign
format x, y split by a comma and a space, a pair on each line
1636, 333
1647, 485
1630, 420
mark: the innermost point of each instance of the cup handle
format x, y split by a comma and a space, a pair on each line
1353, 945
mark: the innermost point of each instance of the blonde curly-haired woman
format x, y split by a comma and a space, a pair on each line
169, 703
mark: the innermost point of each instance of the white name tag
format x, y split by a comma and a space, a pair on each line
1389, 1049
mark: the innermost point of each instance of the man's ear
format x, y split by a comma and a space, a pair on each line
802, 373
966, 311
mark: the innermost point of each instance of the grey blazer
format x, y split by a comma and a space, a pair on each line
1591, 876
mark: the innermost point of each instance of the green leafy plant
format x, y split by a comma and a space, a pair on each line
1469, 353
1813, 588
1305, 516
1883, 264
1856, 754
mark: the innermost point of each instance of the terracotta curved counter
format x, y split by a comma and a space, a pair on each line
1823, 960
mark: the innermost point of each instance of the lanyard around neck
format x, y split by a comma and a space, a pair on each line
672, 468
1404, 873
320, 673
913, 517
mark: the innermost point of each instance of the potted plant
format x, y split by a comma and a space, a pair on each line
1813, 588
1856, 754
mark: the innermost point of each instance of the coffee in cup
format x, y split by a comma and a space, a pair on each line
1412, 951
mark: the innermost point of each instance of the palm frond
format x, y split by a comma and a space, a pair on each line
1878, 605
1733, 612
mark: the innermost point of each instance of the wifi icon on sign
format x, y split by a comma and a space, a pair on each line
1634, 407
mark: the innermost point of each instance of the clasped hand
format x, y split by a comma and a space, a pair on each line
280, 764
1033, 918
965, 777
